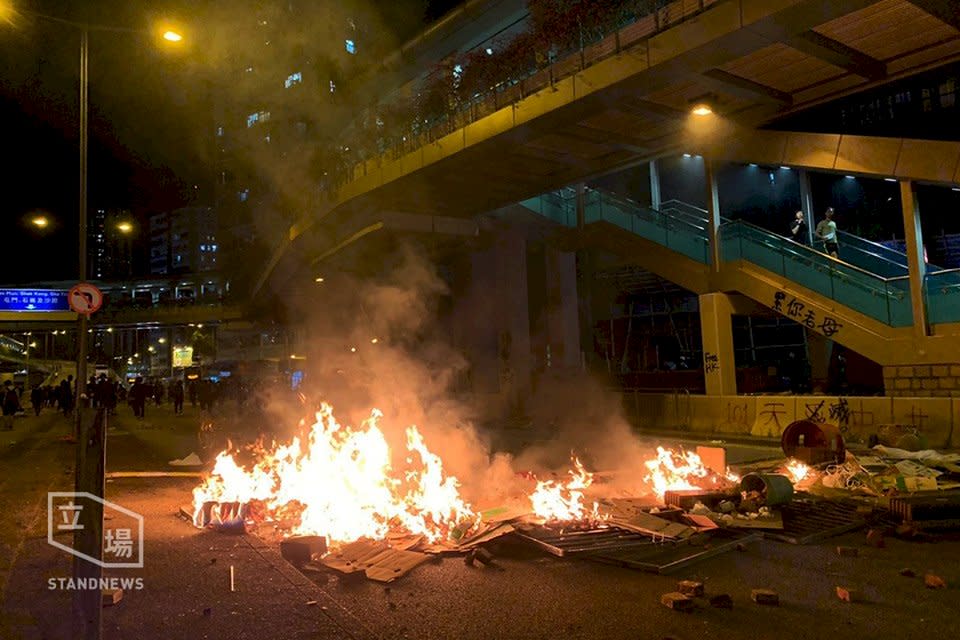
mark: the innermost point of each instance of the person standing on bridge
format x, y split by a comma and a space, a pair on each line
798, 229
827, 232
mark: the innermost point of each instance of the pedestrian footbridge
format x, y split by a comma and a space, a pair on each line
861, 301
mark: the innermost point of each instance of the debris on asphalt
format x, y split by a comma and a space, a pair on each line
875, 538
676, 601
848, 595
299, 550
933, 581
110, 597
765, 597
690, 588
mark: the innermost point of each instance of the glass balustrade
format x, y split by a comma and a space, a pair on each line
943, 296
884, 299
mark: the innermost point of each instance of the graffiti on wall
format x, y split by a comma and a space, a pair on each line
799, 311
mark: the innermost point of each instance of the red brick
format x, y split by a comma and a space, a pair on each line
676, 601
933, 581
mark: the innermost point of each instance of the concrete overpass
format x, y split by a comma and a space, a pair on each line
627, 99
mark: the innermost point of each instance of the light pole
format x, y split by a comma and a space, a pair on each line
91, 451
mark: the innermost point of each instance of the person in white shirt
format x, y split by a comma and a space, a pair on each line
827, 232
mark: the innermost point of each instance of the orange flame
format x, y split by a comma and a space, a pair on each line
563, 501
682, 470
339, 483
798, 471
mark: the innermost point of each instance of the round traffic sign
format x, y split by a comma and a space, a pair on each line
85, 298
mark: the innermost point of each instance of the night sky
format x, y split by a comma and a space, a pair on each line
149, 113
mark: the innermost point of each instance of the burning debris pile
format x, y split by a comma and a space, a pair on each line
342, 496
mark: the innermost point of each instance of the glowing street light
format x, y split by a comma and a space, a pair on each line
40, 222
701, 109
172, 36
124, 227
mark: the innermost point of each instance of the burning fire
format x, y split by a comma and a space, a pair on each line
340, 483
681, 471
563, 501
797, 470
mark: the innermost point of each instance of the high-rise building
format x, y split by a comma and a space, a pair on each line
110, 239
184, 241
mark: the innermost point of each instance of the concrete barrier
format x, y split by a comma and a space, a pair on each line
857, 417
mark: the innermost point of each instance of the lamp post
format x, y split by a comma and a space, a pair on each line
91, 451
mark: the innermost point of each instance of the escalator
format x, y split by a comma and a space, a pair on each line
868, 311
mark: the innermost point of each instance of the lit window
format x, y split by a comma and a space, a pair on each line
219, 131
259, 116
350, 46
333, 86
292, 79
243, 195
213, 247
249, 69
266, 138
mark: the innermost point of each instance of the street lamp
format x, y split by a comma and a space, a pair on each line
124, 227
40, 222
87, 621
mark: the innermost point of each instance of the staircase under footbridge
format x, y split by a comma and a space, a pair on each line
861, 301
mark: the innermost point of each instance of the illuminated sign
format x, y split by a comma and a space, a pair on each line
182, 357
34, 300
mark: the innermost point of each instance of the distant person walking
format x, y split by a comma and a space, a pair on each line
176, 394
827, 232
36, 399
798, 229
11, 404
66, 395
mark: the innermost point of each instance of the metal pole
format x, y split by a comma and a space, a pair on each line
87, 623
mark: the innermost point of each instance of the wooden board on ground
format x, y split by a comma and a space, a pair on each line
392, 564
355, 556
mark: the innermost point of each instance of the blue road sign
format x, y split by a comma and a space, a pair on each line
34, 300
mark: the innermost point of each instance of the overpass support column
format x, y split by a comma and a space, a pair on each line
494, 322
916, 265
713, 214
654, 185
716, 331
563, 325
806, 203
584, 284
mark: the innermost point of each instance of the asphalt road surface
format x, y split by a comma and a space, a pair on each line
527, 594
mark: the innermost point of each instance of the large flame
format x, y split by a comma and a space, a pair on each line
340, 483
681, 471
563, 501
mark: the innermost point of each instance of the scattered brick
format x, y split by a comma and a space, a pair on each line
847, 594
765, 596
676, 601
690, 588
933, 581
848, 552
721, 601
875, 538
908, 572
110, 597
